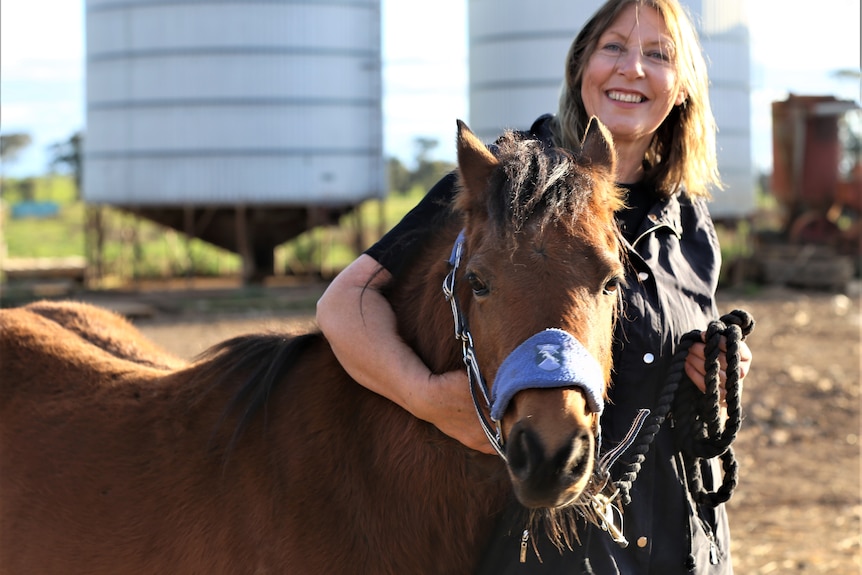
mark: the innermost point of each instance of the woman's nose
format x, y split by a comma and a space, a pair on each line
630, 64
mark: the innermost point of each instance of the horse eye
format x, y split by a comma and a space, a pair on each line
477, 285
612, 286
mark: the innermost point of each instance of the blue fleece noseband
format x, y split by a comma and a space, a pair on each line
551, 358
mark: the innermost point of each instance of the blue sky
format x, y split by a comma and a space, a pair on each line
794, 49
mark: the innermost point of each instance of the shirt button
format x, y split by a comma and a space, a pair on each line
643, 276
642, 542
649, 358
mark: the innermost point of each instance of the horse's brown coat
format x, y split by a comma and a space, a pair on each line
118, 458
107, 330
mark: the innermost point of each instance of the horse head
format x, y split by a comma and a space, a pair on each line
537, 282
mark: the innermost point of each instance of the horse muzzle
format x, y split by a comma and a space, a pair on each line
550, 451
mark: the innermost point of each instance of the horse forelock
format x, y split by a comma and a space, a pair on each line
541, 185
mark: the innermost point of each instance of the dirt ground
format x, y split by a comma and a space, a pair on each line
798, 506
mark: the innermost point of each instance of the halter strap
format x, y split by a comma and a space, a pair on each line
474, 375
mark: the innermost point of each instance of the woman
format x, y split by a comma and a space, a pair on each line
637, 66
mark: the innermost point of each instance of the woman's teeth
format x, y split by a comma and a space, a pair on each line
628, 98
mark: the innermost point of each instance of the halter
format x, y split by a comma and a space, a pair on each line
548, 359
477, 382
601, 508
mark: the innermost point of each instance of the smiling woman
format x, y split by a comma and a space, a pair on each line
631, 82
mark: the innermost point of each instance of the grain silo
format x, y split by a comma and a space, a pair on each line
236, 122
517, 54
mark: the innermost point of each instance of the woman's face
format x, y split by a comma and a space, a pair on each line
630, 80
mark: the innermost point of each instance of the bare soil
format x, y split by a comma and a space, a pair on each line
798, 506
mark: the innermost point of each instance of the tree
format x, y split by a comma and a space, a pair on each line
399, 176
11, 145
428, 171
68, 155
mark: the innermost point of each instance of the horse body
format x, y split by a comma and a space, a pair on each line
122, 466
264, 456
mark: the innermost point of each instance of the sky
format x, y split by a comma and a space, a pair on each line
794, 49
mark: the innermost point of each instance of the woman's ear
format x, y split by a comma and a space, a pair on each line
681, 97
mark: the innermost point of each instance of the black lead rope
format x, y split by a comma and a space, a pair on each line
696, 416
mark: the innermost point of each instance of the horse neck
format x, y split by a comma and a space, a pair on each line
456, 477
425, 319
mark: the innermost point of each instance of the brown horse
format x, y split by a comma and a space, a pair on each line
264, 456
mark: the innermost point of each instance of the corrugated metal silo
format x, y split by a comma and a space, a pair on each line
262, 110
724, 34
517, 55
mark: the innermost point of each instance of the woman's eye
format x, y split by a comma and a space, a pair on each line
476, 284
611, 47
658, 55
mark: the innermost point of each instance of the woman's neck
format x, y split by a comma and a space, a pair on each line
630, 160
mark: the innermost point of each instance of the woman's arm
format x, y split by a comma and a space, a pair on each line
361, 327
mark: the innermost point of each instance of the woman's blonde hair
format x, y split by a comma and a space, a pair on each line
682, 153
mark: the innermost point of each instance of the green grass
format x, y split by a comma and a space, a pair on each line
331, 249
51, 237
38, 238
135, 248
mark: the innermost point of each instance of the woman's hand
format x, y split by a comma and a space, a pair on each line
695, 367
446, 402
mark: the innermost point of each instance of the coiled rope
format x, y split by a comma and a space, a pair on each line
698, 431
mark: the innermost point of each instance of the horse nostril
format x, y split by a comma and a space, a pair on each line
529, 462
579, 458
547, 479
522, 451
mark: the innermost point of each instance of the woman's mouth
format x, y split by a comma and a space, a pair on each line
627, 97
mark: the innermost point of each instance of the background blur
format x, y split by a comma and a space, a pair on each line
243, 126
425, 79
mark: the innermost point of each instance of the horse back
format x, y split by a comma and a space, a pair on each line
107, 330
262, 455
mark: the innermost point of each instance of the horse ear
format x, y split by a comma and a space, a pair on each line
597, 147
475, 161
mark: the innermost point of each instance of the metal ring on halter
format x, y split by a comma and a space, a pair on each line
495, 439
449, 286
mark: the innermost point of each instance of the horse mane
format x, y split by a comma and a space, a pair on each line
260, 360
535, 180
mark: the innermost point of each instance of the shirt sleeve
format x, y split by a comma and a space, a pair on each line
400, 243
